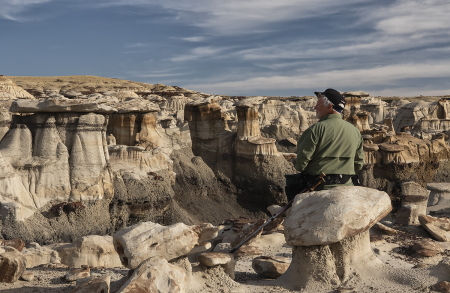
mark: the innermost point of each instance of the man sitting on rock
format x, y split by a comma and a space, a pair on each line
332, 146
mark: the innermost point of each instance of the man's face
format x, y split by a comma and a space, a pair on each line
321, 109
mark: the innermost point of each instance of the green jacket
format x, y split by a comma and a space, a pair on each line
331, 146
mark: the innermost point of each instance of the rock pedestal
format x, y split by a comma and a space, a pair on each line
414, 203
439, 194
329, 234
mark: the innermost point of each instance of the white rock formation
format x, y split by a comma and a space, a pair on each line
329, 216
156, 275
145, 240
92, 250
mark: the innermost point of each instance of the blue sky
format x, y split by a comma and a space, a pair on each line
235, 47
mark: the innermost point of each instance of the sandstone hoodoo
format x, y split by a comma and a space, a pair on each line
329, 234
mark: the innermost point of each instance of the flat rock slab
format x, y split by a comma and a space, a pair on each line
59, 106
439, 228
329, 216
95, 285
75, 274
211, 259
441, 186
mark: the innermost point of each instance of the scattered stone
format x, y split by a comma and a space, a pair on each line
212, 259
443, 286
427, 247
247, 250
270, 266
17, 243
439, 228
27, 276
385, 229
421, 266
75, 274
12, 265
246, 231
156, 275
95, 285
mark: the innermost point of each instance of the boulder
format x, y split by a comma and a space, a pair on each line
12, 264
247, 250
95, 285
156, 275
212, 259
329, 216
92, 251
38, 255
427, 247
27, 276
270, 266
439, 228
74, 274
144, 240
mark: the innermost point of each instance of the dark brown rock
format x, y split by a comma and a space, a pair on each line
427, 247
17, 243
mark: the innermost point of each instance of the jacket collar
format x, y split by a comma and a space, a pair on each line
331, 116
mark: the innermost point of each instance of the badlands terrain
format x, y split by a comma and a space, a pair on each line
109, 185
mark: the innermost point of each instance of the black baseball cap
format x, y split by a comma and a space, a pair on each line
334, 97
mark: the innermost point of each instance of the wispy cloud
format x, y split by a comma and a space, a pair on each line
234, 17
199, 53
350, 79
12, 9
194, 39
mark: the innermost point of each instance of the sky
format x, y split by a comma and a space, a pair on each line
235, 47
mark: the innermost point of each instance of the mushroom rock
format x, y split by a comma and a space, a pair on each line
247, 112
329, 234
413, 194
439, 194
